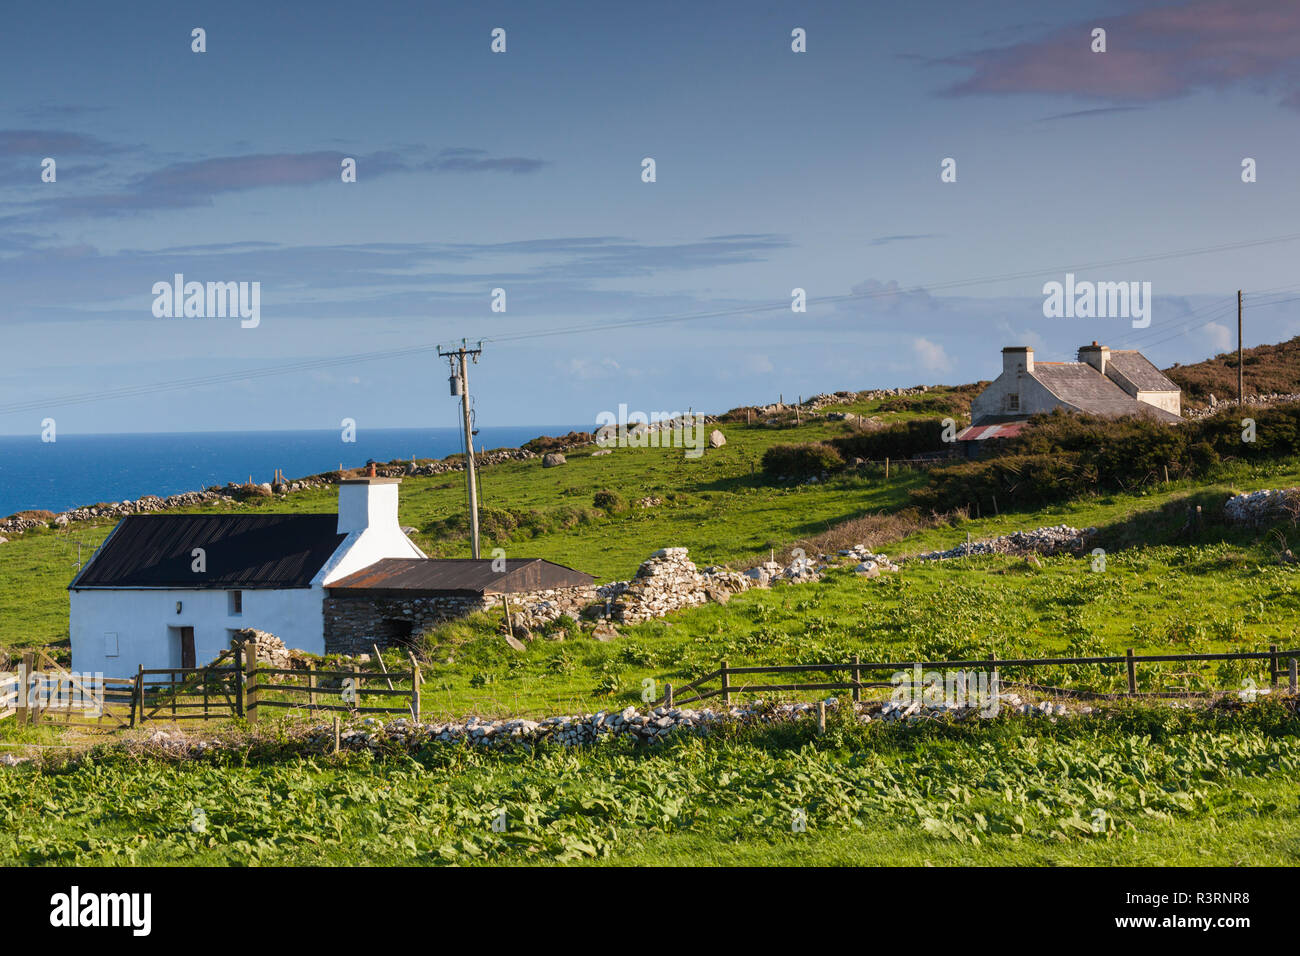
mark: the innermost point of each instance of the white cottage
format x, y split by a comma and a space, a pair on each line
170, 590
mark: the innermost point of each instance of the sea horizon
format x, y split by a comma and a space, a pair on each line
84, 469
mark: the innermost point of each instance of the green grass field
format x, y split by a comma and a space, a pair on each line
1177, 787
1138, 786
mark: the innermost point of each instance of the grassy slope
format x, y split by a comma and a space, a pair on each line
1268, 368
712, 505
1220, 589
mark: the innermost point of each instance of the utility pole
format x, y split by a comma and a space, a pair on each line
460, 386
1241, 371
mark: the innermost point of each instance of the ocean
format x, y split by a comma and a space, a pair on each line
85, 469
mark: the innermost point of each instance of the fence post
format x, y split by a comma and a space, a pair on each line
726, 684
821, 716
336, 733
415, 692
668, 694
1272, 665
1132, 672
137, 695
311, 688
250, 689
1291, 674
857, 680
24, 678
886, 469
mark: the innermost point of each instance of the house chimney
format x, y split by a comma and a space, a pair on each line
1017, 358
366, 503
1095, 355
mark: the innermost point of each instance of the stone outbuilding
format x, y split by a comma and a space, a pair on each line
395, 599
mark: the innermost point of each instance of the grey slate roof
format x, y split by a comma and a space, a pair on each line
1131, 366
242, 552
1081, 385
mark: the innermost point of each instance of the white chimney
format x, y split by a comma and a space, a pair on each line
1098, 356
1017, 358
367, 503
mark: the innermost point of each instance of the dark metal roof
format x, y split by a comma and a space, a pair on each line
241, 552
460, 576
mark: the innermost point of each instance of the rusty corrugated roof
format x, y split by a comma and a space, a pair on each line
461, 576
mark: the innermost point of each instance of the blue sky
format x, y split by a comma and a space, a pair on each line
522, 170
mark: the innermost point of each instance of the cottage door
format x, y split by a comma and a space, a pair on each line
187, 647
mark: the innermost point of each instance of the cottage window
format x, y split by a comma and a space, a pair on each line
1013, 402
236, 603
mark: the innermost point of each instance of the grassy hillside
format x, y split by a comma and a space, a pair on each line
1168, 786
1268, 369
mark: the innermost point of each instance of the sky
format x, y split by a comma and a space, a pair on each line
523, 170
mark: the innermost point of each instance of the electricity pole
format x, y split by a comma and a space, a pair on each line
460, 386
1241, 371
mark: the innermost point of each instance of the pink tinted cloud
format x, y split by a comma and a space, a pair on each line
1152, 54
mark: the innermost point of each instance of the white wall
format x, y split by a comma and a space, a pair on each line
141, 619
1169, 401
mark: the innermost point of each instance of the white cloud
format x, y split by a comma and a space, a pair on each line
583, 368
1219, 335
931, 356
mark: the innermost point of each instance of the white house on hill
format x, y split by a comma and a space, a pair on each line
170, 590
1106, 382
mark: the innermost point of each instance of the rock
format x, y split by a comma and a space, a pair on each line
515, 642
718, 595
867, 569
271, 651
717, 439
553, 459
602, 451
604, 632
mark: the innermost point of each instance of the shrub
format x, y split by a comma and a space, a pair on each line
801, 461
544, 443
901, 440
610, 502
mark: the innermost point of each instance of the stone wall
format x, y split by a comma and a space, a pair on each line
354, 622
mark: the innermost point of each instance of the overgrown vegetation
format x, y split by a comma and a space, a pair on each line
1268, 369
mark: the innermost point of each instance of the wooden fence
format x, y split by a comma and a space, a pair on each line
228, 687
59, 696
727, 686
262, 684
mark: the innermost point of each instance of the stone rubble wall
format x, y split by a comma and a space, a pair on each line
1264, 506
1053, 540
579, 730
1252, 401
